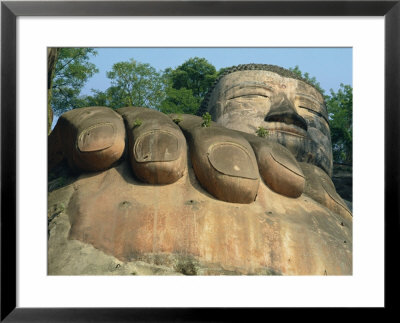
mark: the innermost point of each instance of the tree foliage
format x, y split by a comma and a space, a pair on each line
52, 54
179, 101
340, 110
179, 90
222, 70
187, 85
132, 84
98, 98
135, 84
196, 74
72, 70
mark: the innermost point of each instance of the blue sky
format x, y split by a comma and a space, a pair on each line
330, 66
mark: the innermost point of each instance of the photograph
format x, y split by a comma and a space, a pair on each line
200, 161
195, 159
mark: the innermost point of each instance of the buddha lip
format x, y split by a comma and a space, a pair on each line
288, 118
286, 128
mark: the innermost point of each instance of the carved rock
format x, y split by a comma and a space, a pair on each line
292, 111
91, 139
122, 217
215, 214
157, 147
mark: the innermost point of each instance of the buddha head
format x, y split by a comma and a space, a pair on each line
252, 96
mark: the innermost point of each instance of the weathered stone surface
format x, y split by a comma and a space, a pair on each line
91, 139
291, 223
230, 160
319, 186
73, 257
248, 99
223, 161
115, 213
157, 147
277, 166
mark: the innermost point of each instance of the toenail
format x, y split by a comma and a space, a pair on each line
156, 145
96, 137
232, 159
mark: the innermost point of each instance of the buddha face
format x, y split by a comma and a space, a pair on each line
292, 112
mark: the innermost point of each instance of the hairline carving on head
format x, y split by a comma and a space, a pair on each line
251, 67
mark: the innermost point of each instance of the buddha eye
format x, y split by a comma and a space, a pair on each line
311, 110
308, 109
248, 92
249, 96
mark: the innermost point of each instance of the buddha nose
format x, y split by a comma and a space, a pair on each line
282, 110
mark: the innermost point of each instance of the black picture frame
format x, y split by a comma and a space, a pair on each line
10, 10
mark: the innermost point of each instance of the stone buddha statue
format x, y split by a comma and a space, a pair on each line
249, 192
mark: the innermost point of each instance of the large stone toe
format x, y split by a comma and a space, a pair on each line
97, 137
223, 161
91, 139
278, 167
157, 147
320, 188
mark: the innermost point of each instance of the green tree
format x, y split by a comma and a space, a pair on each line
179, 101
52, 54
340, 110
134, 84
222, 70
196, 74
98, 98
72, 70
187, 85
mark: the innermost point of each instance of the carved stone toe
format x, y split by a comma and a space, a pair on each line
157, 147
223, 161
